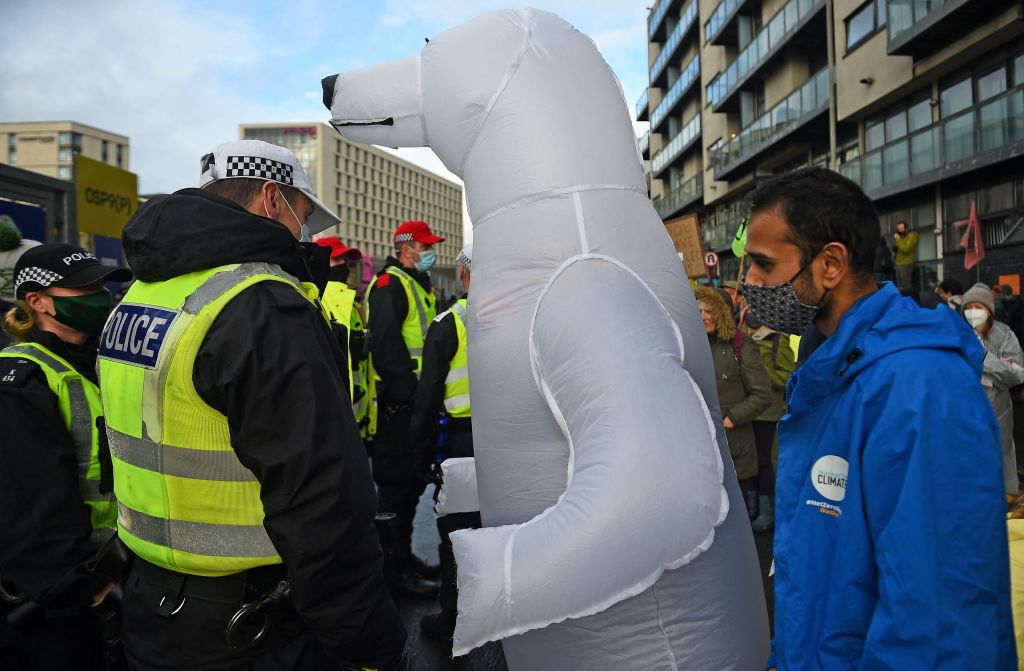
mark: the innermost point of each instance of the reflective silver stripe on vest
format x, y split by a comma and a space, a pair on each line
200, 538
182, 462
420, 307
460, 401
220, 283
456, 374
458, 309
29, 350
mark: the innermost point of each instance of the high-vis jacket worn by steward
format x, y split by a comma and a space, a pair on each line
456, 386
422, 310
340, 302
78, 401
185, 501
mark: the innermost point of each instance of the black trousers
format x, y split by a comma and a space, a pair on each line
194, 637
56, 644
764, 438
398, 487
449, 595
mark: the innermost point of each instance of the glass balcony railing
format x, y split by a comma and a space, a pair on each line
719, 226
657, 16
810, 98
644, 142
679, 196
772, 36
689, 133
641, 104
687, 77
718, 18
905, 14
672, 43
970, 134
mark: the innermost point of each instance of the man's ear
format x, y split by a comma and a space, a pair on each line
836, 264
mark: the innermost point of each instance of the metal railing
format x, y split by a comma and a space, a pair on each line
673, 41
641, 104
772, 36
680, 195
687, 77
811, 98
657, 16
644, 142
720, 224
689, 133
715, 24
976, 131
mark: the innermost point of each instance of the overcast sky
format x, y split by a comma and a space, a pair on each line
178, 76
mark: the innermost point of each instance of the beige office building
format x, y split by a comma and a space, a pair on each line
921, 102
372, 190
48, 147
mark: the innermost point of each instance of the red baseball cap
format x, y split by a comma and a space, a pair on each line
338, 248
418, 231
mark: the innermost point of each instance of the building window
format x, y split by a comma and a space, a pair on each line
119, 155
64, 138
991, 84
12, 141
1018, 69
104, 150
956, 98
64, 172
12, 157
64, 154
919, 115
864, 23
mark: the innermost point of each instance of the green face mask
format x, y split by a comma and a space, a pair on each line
86, 314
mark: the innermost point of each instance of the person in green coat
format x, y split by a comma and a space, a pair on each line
779, 362
906, 255
744, 391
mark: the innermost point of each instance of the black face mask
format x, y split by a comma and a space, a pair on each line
339, 273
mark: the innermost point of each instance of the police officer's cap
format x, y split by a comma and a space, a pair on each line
58, 264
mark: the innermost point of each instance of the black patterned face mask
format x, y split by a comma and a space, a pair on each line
778, 306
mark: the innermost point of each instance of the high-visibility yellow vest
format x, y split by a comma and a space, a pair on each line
185, 501
78, 401
422, 310
456, 385
341, 303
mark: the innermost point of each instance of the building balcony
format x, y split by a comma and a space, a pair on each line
720, 225
687, 78
686, 194
800, 23
644, 142
686, 22
641, 106
793, 113
683, 140
656, 19
720, 29
985, 134
921, 27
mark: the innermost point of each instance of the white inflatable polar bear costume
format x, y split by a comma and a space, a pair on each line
599, 449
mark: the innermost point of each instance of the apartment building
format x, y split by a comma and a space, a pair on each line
48, 147
921, 102
372, 190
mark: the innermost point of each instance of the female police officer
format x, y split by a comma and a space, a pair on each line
54, 512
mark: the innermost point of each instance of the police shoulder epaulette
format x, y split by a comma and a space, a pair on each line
16, 372
442, 315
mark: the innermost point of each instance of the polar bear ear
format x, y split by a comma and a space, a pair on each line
381, 104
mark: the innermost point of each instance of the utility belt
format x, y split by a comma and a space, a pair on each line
255, 592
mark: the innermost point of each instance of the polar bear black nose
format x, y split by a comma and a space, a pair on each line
328, 84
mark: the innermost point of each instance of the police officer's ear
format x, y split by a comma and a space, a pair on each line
39, 302
267, 202
464, 277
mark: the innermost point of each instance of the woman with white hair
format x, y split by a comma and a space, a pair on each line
1003, 370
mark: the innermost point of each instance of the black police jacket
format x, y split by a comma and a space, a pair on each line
272, 366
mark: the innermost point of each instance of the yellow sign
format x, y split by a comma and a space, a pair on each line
106, 197
685, 234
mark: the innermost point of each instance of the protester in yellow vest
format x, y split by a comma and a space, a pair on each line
343, 304
442, 429
239, 471
57, 509
400, 306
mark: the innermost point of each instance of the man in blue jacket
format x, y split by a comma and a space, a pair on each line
890, 537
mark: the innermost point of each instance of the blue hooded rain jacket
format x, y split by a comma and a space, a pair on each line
890, 540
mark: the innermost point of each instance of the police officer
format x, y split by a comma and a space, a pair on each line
238, 479
400, 308
57, 509
443, 392
342, 303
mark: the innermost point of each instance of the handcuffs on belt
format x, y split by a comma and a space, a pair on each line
278, 594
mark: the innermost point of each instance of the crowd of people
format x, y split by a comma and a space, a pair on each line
222, 470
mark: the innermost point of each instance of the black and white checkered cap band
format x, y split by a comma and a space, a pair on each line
35, 274
465, 260
403, 237
260, 168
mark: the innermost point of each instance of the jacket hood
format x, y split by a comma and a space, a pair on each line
192, 229
884, 323
724, 322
